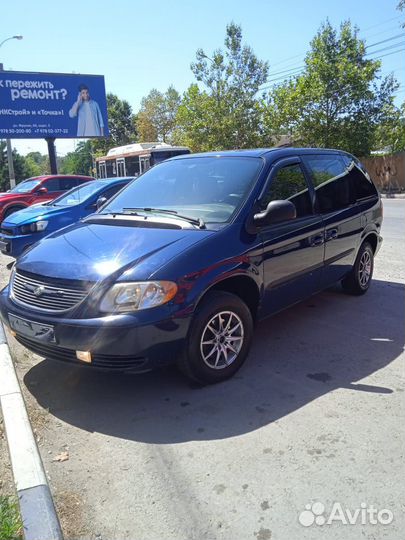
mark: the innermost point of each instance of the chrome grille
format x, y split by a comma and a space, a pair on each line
43, 295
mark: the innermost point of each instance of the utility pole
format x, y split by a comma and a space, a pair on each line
11, 173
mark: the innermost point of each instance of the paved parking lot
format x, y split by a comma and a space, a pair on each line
315, 415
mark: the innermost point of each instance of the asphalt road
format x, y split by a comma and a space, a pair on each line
315, 415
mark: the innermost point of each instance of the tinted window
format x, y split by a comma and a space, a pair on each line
52, 184
331, 182
210, 188
289, 184
362, 184
111, 191
67, 183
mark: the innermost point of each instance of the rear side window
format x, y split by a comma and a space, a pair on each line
108, 193
81, 181
67, 183
289, 184
331, 181
52, 185
362, 185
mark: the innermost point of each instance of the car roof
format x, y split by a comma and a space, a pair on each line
275, 152
116, 180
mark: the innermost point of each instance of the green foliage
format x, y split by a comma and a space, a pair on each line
78, 162
157, 116
338, 100
10, 521
121, 125
226, 113
390, 133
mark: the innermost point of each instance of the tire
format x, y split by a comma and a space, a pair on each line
207, 347
11, 210
359, 279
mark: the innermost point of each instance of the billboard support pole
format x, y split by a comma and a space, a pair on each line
10, 164
52, 155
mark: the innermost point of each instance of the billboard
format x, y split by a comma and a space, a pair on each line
52, 105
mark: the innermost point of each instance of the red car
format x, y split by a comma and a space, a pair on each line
37, 190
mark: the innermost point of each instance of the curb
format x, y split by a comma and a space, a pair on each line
393, 195
38, 514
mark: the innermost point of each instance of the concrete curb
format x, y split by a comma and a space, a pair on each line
40, 521
393, 195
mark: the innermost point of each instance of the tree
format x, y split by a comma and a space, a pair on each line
121, 125
390, 134
80, 161
226, 112
157, 116
338, 100
21, 170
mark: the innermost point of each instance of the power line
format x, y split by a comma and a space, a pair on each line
293, 70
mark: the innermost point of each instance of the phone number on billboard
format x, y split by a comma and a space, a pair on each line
45, 131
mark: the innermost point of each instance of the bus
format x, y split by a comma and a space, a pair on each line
135, 158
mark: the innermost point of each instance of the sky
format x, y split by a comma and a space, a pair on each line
140, 45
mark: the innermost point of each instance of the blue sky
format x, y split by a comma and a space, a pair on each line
141, 45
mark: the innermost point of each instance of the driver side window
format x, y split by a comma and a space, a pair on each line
289, 184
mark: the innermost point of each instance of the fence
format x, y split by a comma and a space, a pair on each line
387, 172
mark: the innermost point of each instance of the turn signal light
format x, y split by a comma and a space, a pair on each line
84, 356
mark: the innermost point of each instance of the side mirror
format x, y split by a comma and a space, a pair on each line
100, 202
42, 191
276, 212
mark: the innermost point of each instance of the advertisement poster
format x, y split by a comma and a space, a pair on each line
52, 105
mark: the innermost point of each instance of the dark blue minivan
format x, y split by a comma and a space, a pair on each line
180, 264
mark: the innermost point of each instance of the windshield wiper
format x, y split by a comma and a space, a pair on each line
199, 222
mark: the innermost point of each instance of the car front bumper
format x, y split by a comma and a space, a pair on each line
125, 342
13, 246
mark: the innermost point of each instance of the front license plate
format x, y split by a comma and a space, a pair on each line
31, 329
3, 246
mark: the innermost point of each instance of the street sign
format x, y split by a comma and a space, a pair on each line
52, 105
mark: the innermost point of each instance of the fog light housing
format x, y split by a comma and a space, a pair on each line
84, 356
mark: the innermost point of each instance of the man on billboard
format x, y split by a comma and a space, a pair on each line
90, 122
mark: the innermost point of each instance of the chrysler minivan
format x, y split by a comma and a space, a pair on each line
180, 264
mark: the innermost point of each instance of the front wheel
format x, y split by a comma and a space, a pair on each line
219, 338
359, 279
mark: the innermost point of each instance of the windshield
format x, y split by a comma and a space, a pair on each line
25, 186
206, 188
79, 194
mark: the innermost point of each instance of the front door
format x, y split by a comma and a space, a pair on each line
293, 251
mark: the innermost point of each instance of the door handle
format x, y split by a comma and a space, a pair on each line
317, 240
332, 234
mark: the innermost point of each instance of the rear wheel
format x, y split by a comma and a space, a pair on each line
219, 339
359, 279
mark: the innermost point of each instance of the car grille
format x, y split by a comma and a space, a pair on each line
100, 361
44, 295
6, 232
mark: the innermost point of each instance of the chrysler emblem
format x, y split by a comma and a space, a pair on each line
38, 291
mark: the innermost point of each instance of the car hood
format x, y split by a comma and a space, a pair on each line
32, 212
95, 251
5, 195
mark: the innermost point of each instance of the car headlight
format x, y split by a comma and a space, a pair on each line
137, 295
37, 226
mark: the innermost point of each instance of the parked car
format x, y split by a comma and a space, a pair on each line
180, 264
38, 189
25, 227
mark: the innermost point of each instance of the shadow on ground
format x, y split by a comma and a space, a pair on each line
330, 341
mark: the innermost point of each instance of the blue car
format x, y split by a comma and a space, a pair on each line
25, 227
179, 265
